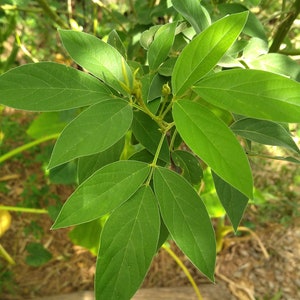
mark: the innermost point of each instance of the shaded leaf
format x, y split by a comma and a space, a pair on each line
214, 143
186, 218
148, 134
114, 40
253, 26
189, 164
145, 156
128, 244
264, 132
87, 165
101, 193
232, 200
194, 13
93, 131
277, 63
64, 174
161, 45
49, 86
253, 93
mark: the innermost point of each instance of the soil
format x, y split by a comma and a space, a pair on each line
263, 265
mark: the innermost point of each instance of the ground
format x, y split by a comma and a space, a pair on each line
263, 265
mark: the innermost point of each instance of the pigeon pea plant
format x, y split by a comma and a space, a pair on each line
144, 130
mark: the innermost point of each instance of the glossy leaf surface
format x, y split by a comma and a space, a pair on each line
186, 218
50, 86
93, 131
253, 93
101, 193
203, 53
214, 143
126, 251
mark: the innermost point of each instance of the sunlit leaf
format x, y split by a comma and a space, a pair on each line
99, 58
253, 93
214, 143
203, 53
93, 131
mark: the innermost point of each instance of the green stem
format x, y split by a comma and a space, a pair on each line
154, 162
6, 256
24, 209
291, 52
52, 14
171, 146
265, 155
285, 26
27, 146
184, 269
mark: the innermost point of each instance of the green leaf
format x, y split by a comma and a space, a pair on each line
155, 88
145, 156
186, 218
94, 130
189, 164
253, 93
277, 63
128, 244
147, 36
161, 45
255, 47
87, 165
115, 40
194, 13
147, 133
253, 26
264, 132
48, 123
101, 193
100, 59
87, 235
49, 86
203, 53
232, 200
64, 174
38, 255
214, 143
166, 69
